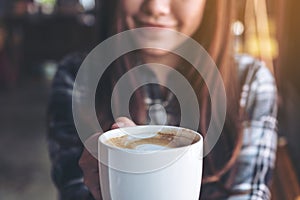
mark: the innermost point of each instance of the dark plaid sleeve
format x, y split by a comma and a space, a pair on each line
65, 146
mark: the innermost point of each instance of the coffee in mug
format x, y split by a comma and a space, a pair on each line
158, 141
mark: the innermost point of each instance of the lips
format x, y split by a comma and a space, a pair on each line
148, 24
157, 23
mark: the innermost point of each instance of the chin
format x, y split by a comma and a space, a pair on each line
157, 38
155, 52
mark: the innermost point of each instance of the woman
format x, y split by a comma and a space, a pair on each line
240, 164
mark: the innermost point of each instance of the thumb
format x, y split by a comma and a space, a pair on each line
123, 122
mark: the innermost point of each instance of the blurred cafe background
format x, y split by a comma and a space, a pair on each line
36, 34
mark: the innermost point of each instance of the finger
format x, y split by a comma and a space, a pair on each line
123, 122
87, 161
89, 166
96, 192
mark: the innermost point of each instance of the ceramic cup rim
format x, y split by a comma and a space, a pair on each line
114, 133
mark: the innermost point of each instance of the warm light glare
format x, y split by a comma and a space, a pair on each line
238, 28
261, 46
260, 32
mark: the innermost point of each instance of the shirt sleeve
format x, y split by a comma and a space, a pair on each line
64, 144
257, 157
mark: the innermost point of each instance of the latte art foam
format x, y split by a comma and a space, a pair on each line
158, 141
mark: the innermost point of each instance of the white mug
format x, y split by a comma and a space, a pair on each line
155, 174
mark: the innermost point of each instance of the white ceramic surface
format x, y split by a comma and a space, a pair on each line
165, 174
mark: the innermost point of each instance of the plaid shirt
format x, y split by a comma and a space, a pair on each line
257, 156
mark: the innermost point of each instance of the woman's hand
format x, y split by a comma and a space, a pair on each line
122, 122
89, 164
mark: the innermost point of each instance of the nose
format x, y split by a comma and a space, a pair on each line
157, 7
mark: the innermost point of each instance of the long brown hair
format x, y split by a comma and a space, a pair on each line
214, 35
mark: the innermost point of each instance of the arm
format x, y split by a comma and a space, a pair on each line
257, 157
89, 164
65, 146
